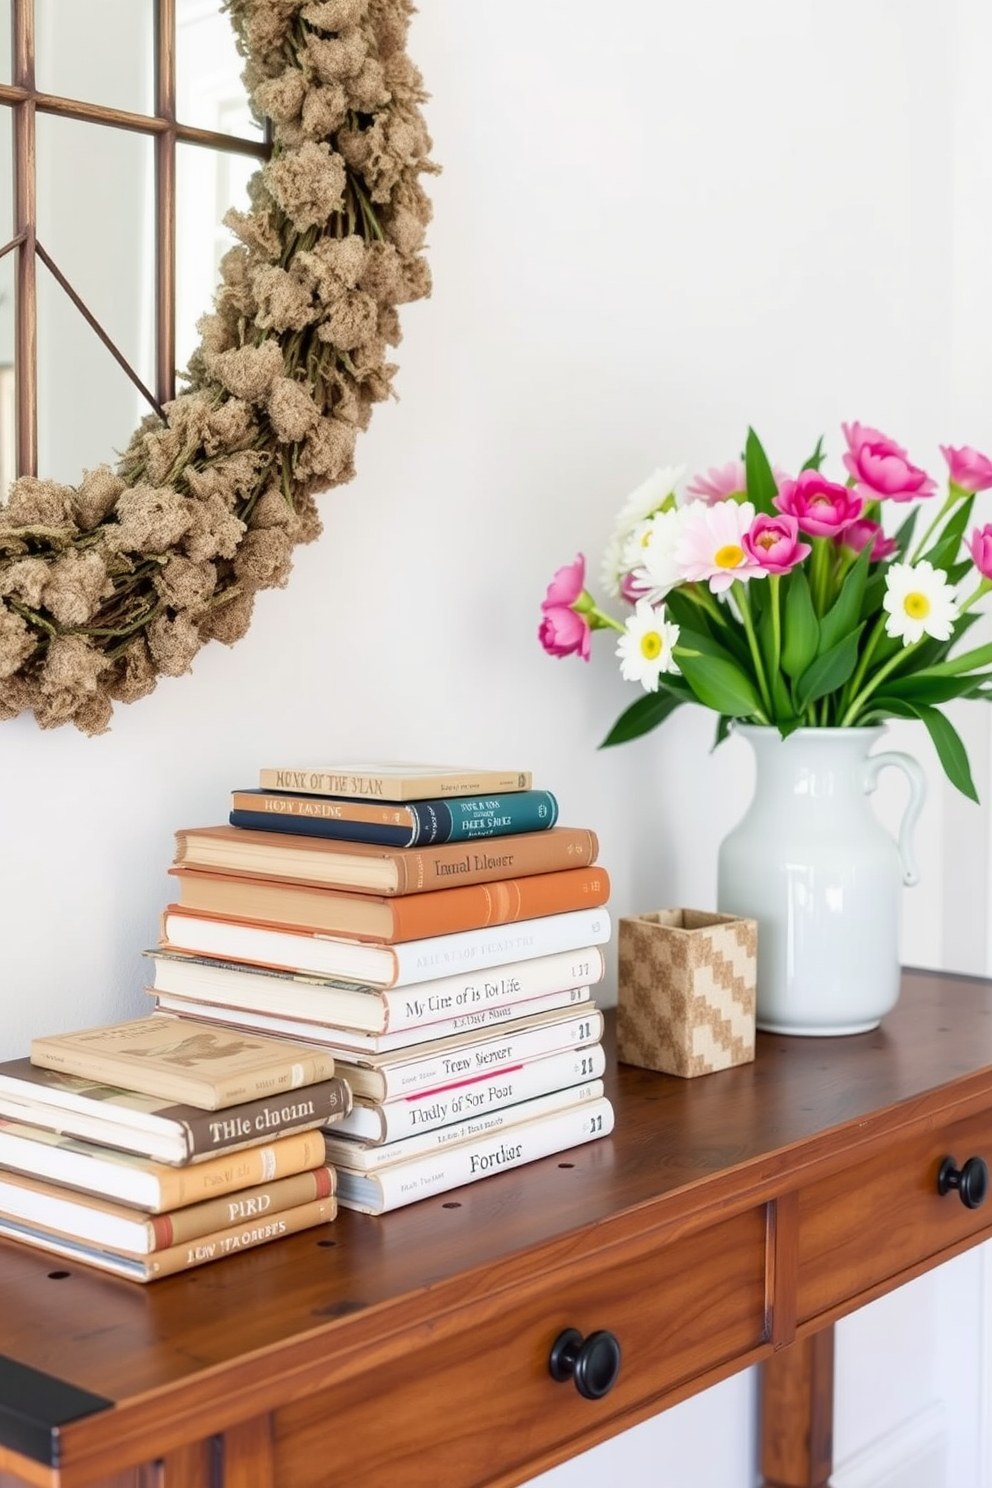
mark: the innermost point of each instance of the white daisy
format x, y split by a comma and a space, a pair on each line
642, 503
919, 601
645, 648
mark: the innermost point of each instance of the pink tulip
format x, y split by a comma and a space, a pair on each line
563, 631
980, 548
773, 542
880, 467
719, 482
821, 507
862, 532
968, 468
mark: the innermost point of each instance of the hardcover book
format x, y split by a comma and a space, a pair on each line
209, 1068
214, 1247
101, 1222
91, 1166
392, 1120
409, 1073
390, 919
364, 1157
324, 862
415, 824
407, 964
162, 1130
348, 1043
415, 1178
361, 1008
394, 781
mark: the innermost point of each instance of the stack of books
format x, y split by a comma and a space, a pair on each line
148, 1147
436, 931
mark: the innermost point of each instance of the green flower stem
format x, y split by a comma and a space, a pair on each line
860, 699
701, 595
819, 574
597, 618
773, 589
982, 588
851, 687
744, 605
954, 495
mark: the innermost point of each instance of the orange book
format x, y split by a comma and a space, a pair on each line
377, 869
389, 919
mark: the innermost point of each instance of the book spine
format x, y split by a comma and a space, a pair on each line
500, 816
369, 785
365, 1157
468, 951
474, 992
313, 1105
477, 906
409, 1076
238, 1237
245, 1205
384, 834
421, 870
346, 1046
467, 1162
393, 1120
262, 1162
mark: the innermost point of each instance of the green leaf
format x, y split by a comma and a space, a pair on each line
968, 661
945, 550
919, 687
829, 671
718, 682
816, 458
688, 615
904, 533
722, 731
650, 710
761, 485
844, 613
800, 627
946, 739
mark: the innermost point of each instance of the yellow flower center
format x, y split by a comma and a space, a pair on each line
651, 645
730, 556
916, 605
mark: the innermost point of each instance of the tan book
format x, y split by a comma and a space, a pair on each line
140, 1183
101, 1222
393, 781
389, 919
338, 864
209, 1067
213, 1247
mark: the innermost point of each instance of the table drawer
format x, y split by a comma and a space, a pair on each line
871, 1222
479, 1394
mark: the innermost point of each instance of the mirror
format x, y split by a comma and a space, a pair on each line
115, 576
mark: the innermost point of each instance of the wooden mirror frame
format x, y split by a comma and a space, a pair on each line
109, 584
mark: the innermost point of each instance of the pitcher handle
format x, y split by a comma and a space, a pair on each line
910, 767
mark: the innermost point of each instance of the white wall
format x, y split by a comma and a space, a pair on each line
656, 224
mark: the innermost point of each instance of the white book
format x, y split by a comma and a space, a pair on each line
407, 964
392, 1120
365, 1157
368, 1009
354, 1045
466, 1162
460, 1060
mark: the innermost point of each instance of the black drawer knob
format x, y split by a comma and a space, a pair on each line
593, 1362
971, 1181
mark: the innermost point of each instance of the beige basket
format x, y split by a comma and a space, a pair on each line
686, 985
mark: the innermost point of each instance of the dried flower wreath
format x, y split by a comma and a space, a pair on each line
108, 585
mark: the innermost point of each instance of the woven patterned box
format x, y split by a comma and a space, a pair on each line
686, 983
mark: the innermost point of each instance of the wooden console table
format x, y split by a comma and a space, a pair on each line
729, 1221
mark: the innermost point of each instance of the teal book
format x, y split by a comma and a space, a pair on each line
410, 824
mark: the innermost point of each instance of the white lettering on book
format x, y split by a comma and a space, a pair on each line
245, 1208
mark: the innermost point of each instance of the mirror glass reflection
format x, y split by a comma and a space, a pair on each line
96, 217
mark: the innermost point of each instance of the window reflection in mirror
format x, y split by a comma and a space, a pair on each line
96, 218
99, 51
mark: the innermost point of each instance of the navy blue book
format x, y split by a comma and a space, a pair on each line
390, 824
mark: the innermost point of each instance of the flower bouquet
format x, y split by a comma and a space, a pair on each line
789, 601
